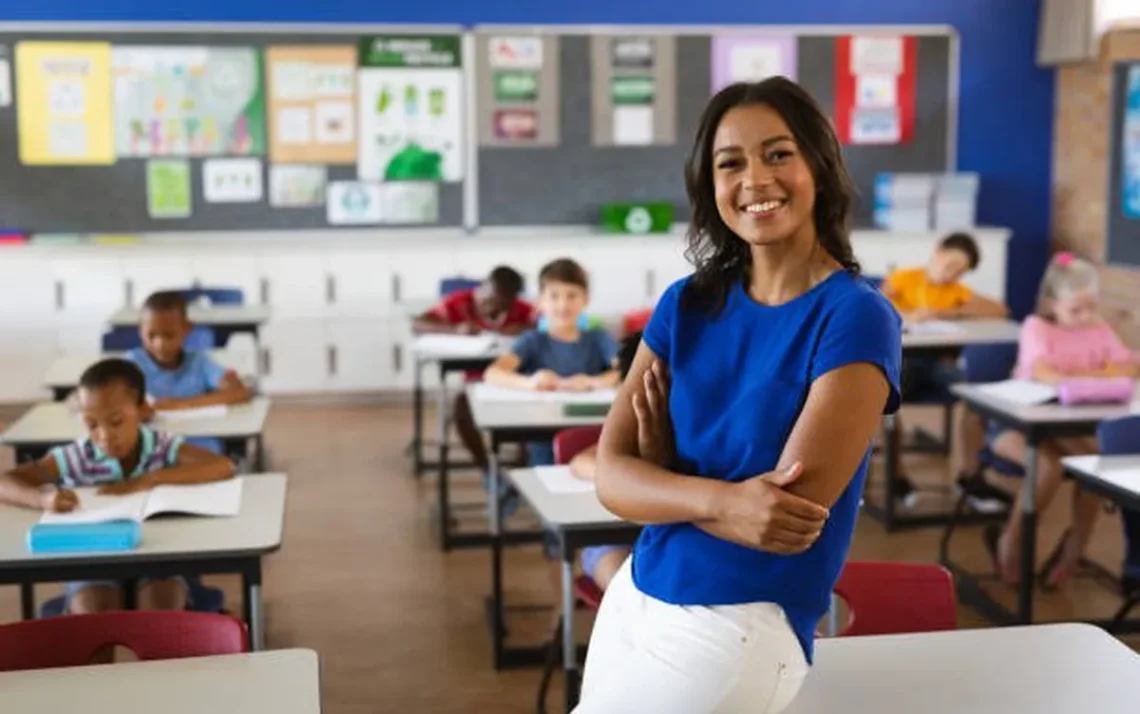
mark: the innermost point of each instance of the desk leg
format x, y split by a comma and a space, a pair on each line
569, 645
418, 418
27, 601
891, 470
443, 486
259, 454
1028, 536
496, 556
254, 616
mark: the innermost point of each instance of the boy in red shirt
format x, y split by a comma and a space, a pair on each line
493, 306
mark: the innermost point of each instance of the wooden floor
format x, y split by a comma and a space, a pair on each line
399, 625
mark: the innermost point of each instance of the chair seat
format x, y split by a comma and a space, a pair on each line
588, 592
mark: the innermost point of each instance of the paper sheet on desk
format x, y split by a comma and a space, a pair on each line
466, 345
493, 393
1020, 391
216, 411
558, 479
934, 327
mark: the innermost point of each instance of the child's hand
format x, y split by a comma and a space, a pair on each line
577, 383
131, 485
467, 328
923, 314
60, 500
545, 380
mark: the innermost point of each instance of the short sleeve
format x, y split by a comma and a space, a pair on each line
526, 349
1032, 346
863, 328
211, 371
658, 334
59, 456
448, 309
168, 447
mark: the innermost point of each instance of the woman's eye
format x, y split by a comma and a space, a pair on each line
728, 164
779, 155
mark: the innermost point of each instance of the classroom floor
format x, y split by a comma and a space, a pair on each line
399, 625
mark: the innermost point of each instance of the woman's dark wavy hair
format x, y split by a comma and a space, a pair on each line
720, 256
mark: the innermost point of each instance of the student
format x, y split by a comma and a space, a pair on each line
1066, 338
493, 306
120, 455
935, 292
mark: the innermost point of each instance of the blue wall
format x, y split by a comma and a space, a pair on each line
1006, 112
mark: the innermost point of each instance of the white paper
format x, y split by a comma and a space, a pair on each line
752, 63
294, 125
220, 498
633, 126
353, 203
515, 52
457, 345
876, 91
495, 393
5, 82
292, 81
67, 139
877, 55
232, 180
297, 185
94, 508
67, 97
1019, 391
215, 411
333, 80
335, 123
875, 126
933, 327
409, 202
559, 479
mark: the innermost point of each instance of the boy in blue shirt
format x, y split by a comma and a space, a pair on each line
177, 378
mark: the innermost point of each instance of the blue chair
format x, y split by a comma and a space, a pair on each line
447, 286
121, 339
1122, 437
216, 296
203, 598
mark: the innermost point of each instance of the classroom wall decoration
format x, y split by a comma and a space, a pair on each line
64, 96
188, 101
875, 89
517, 91
5, 78
634, 96
232, 180
411, 108
168, 188
1130, 146
1123, 221
751, 58
297, 186
312, 104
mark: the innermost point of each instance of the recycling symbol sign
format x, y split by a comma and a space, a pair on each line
638, 220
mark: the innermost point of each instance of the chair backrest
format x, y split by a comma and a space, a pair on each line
216, 296
1119, 436
72, 640
989, 362
892, 598
121, 339
635, 320
448, 286
568, 443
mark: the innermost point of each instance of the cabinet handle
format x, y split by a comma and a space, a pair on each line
59, 296
397, 358
332, 360
650, 283
264, 291
397, 288
266, 362
129, 292
330, 289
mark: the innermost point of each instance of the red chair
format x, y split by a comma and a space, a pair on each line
894, 598
568, 443
635, 320
72, 640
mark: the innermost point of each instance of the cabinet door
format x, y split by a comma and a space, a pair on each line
619, 276
359, 283
226, 270
666, 264
416, 275
90, 289
28, 290
144, 275
293, 357
25, 354
85, 339
403, 363
360, 355
294, 285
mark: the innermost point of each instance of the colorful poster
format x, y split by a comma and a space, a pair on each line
312, 95
188, 101
632, 52
294, 185
1130, 146
751, 58
168, 188
232, 180
515, 124
353, 203
63, 90
409, 202
5, 78
515, 52
410, 108
515, 86
875, 84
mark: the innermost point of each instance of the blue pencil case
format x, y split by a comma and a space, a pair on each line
84, 537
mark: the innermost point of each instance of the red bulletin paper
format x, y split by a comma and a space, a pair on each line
845, 90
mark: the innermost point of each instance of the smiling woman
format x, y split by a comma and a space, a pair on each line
764, 374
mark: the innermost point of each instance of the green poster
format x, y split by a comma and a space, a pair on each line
168, 188
410, 51
516, 86
654, 217
632, 89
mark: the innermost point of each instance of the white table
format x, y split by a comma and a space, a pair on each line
191, 545
965, 333
1115, 477
49, 424
64, 371
233, 318
1042, 669
511, 422
278, 681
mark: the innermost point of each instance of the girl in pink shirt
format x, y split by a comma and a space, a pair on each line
1066, 338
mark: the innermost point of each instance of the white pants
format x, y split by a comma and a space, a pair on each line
649, 656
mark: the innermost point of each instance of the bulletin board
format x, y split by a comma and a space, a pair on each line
560, 169
1123, 229
213, 171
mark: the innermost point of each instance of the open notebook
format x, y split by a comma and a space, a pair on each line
1020, 391
215, 411
932, 327
221, 498
495, 393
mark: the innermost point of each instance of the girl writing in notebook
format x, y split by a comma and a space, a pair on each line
120, 455
1066, 338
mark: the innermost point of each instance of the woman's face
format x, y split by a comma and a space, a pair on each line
765, 192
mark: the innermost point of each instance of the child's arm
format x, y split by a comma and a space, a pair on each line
432, 323
32, 485
585, 463
230, 390
586, 382
976, 307
504, 372
193, 465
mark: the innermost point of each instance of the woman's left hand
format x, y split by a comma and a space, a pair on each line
651, 406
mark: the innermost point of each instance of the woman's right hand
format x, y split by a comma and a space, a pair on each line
759, 513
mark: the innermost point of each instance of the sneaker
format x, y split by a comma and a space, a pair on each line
980, 495
906, 495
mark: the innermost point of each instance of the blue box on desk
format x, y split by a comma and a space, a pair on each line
104, 537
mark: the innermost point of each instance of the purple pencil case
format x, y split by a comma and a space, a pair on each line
1095, 390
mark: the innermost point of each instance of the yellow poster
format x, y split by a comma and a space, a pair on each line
312, 104
63, 95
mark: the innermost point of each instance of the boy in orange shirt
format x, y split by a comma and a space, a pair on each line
935, 292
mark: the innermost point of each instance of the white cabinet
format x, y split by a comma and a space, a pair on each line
294, 356
359, 283
24, 355
619, 278
80, 339
666, 264
89, 288
416, 274
27, 290
294, 284
360, 355
144, 275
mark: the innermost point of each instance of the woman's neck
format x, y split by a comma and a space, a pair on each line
784, 271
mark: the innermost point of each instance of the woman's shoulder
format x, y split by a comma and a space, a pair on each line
854, 297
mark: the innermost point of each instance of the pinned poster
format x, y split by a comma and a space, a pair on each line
517, 94
232, 180
354, 203
297, 186
1130, 146
410, 108
168, 188
752, 58
875, 78
409, 202
312, 104
634, 93
5, 78
515, 52
63, 90
188, 101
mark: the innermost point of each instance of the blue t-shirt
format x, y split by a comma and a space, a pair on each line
592, 353
197, 375
739, 381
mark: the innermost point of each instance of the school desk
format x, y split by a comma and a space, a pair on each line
531, 417
64, 371
49, 424
1040, 669
577, 520
934, 340
278, 681
224, 319
191, 545
1037, 423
